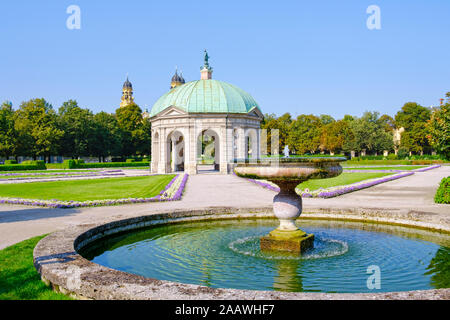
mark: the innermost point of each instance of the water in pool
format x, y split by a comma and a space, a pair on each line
226, 254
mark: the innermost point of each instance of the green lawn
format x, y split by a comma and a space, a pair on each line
343, 179
19, 279
406, 168
86, 190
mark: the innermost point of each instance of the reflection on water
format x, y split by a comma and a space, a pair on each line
226, 254
439, 268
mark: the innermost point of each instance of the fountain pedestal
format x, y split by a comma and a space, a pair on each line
287, 207
287, 173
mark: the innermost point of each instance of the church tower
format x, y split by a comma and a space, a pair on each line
127, 94
177, 80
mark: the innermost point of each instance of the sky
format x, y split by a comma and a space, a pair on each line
303, 57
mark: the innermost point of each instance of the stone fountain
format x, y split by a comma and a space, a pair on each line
287, 173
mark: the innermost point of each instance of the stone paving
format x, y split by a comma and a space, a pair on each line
413, 194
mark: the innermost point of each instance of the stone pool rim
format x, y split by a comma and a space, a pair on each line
57, 260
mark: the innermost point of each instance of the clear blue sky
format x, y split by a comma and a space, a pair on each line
293, 56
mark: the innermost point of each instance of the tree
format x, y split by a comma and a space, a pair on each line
37, 132
304, 134
7, 131
284, 125
326, 119
269, 123
388, 122
135, 139
413, 117
438, 128
334, 135
370, 134
107, 139
78, 127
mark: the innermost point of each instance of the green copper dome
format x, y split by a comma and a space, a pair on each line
206, 96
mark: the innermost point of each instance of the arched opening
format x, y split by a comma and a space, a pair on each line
175, 152
208, 151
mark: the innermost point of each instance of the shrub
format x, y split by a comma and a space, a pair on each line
130, 160
79, 164
72, 163
55, 166
443, 192
112, 165
392, 156
25, 165
10, 162
402, 153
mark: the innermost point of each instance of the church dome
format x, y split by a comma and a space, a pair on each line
206, 96
127, 84
177, 78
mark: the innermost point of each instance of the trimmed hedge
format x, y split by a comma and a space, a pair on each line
25, 165
393, 162
79, 164
10, 162
113, 165
443, 192
400, 156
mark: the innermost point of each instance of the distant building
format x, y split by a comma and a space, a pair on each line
209, 111
127, 94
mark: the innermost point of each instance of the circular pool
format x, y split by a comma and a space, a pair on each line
348, 257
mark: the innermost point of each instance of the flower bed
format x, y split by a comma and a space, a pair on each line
427, 168
334, 191
173, 191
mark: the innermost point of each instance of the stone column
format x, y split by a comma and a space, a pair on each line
223, 150
190, 164
162, 151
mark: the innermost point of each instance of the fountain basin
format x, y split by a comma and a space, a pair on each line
294, 170
57, 259
287, 173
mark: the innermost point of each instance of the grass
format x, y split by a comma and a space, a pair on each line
344, 179
86, 190
19, 279
405, 168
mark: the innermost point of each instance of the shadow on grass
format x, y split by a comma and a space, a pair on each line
18, 215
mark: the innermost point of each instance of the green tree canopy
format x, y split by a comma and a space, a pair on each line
7, 130
413, 117
37, 131
438, 128
79, 130
304, 134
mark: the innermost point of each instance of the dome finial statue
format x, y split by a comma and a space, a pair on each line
206, 60
206, 70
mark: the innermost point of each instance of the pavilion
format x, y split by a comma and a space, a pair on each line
203, 118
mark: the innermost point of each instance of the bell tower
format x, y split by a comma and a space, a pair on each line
127, 94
